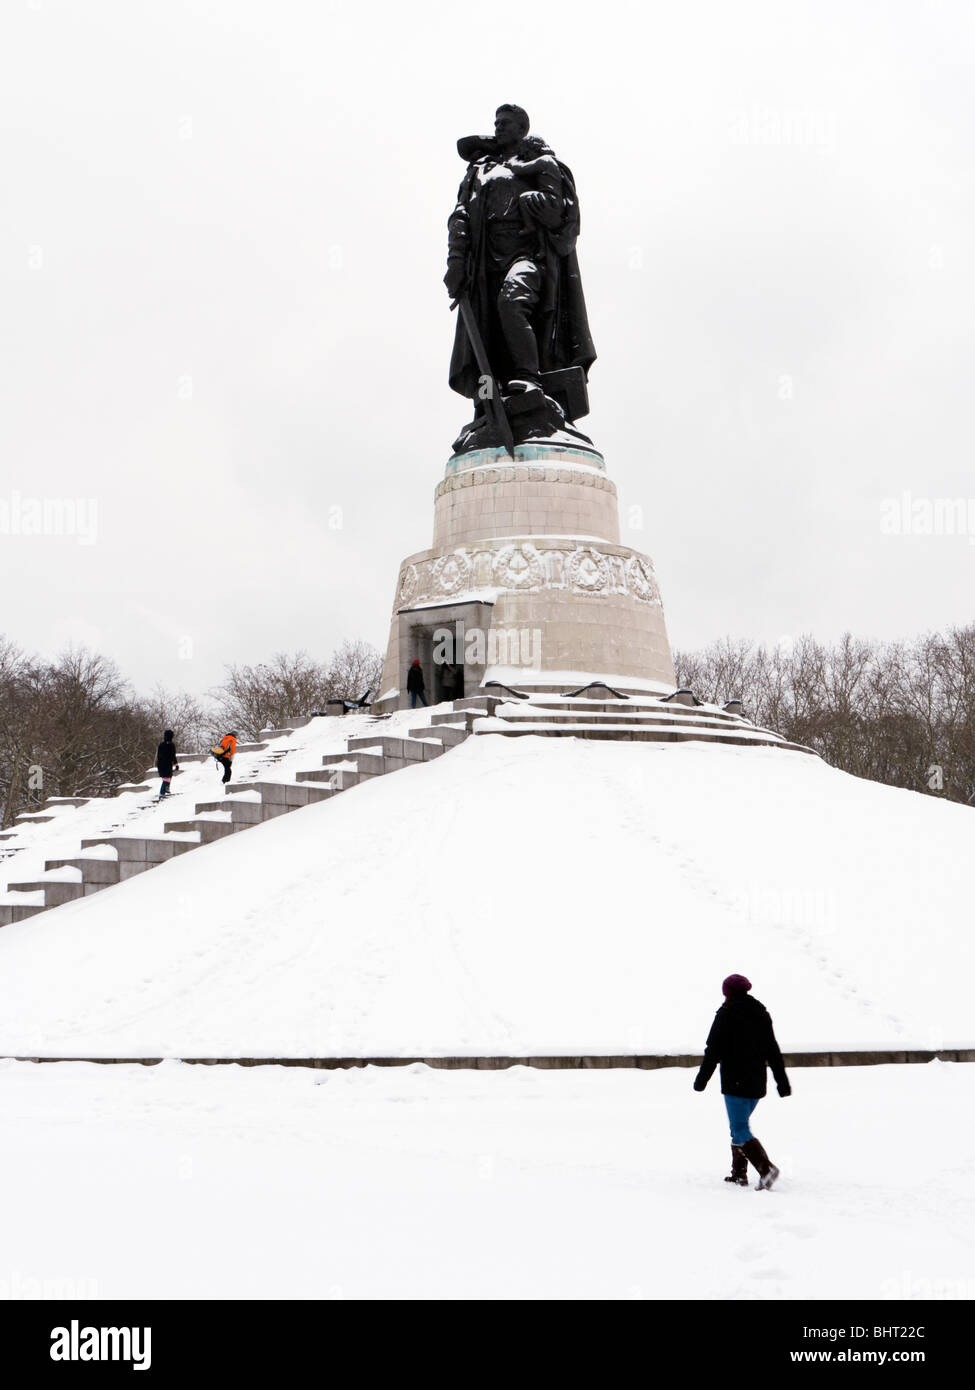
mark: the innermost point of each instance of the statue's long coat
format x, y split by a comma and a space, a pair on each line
560, 320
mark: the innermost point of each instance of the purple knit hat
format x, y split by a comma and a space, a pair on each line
735, 984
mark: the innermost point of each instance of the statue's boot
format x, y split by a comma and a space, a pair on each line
523, 396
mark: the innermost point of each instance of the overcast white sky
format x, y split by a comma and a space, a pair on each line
221, 251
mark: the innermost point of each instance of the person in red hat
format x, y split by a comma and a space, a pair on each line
742, 1041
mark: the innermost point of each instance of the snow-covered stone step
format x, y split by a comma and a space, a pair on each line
363, 760
659, 733
390, 749
461, 719
485, 703
17, 907
94, 872
243, 811
274, 797
56, 889
371, 743
449, 735
154, 848
137, 853
630, 707
213, 825
308, 793
656, 718
654, 732
269, 809
288, 796
333, 779
420, 746
663, 709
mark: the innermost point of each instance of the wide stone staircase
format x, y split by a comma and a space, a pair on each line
596, 713
600, 713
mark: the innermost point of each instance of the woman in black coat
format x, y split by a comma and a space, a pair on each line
415, 684
166, 761
743, 1042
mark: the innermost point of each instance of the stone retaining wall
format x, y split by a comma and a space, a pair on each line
597, 1061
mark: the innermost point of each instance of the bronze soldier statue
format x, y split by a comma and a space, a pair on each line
512, 267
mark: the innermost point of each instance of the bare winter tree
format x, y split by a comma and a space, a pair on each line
900, 713
92, 731
19, 681
191, 720
253, 698
353, 670
70, 727
264, 696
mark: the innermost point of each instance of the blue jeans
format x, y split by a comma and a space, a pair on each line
413, 698
739, 1110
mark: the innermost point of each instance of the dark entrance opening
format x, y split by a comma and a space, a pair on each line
449, 677
441, 660
427, 638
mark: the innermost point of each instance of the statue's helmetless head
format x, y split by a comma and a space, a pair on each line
511, 124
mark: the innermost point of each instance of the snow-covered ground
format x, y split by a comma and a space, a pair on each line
522, 897
192, 1182
517, 896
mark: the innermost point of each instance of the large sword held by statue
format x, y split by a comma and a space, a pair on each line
496, 408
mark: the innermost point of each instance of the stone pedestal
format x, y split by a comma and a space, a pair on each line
527, 573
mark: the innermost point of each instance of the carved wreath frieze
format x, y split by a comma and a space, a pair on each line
519, 567
452, 572
409, 584
587, 571
524, 568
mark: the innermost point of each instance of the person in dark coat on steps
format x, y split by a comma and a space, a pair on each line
415, 684
166, 761
742, 1040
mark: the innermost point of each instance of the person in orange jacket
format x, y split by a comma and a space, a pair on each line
224, 753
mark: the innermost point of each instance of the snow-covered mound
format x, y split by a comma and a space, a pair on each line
521, 897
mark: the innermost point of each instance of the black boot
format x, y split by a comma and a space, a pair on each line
767, 1171
739, 1166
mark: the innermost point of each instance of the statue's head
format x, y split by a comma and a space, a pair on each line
511, 124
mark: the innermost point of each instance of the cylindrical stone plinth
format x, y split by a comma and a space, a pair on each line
529, 549
564, 492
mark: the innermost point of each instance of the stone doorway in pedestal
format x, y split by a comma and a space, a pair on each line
438, 636
444, 687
